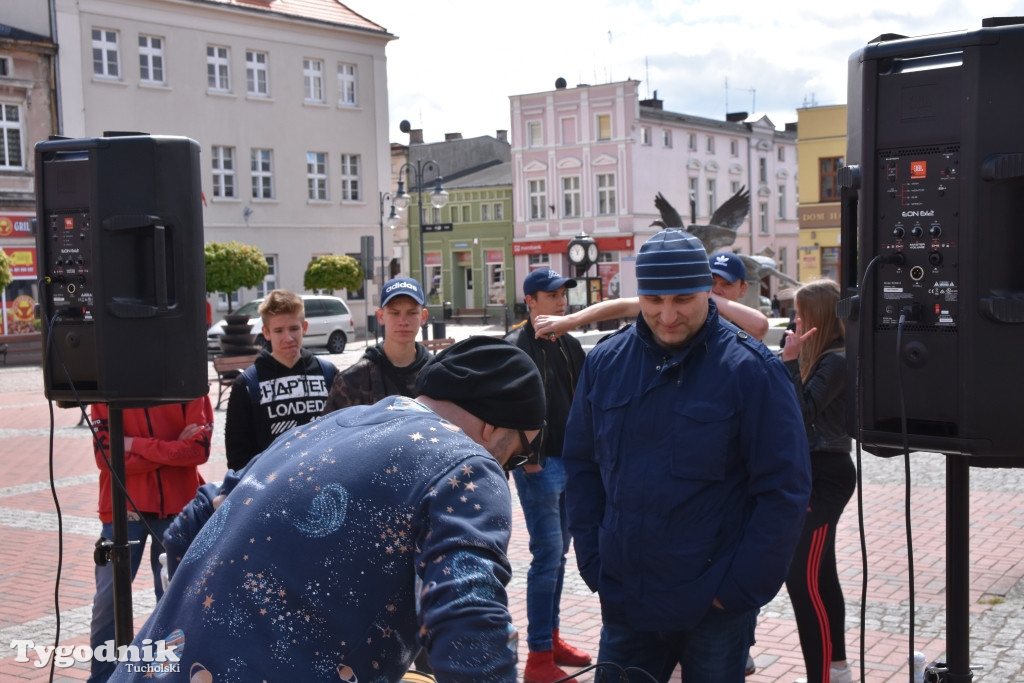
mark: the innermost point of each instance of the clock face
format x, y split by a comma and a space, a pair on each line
592, 252
577, 253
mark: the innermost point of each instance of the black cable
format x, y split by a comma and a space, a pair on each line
623, 672
906, 478
894, 258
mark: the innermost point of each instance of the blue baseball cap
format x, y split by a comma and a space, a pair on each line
545, 280
402, 286
729, 266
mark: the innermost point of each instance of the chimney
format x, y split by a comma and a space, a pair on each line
452, 136
502, 135
416, 136
653, 103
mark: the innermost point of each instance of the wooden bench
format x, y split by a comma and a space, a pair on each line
227, 369
435, 345
22, 349
470, 314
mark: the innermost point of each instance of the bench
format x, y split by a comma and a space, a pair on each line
227, 369
470, 314
22, 349
435, 345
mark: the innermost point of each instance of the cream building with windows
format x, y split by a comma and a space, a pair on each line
286, 98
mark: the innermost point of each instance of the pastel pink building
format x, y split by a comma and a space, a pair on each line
592, 158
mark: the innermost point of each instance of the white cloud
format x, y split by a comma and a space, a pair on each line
455, 63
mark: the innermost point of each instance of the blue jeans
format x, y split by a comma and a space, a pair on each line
542, 495
102, 628
713, 651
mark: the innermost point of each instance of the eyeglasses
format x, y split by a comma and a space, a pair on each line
519, 459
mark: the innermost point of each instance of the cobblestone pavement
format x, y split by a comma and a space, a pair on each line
30, 553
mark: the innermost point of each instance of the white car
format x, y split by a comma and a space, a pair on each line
330, 324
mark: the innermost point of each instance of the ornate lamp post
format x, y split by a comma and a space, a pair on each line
438, 198
392, 219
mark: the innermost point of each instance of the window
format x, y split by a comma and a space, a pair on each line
712, 195
734, 148
571, 196
534, 134
106, 58
218, 74
691, 142
538, 200
645, 135
256, 83
10, 125
782, 202
5, 66
762, 170
222, 301
347, 85
223, 160
783, 259
485, 212
465, 214
763, 216
604, 126
694, 196
499, 212
539, 261
313, 79
829, 182
316, 176
734, 186
151, 60
710, 145
666, 138
454, 213
605, 194
782, 153
270, 279
350, 186
262, 174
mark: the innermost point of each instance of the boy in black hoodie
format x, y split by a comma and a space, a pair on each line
391, 367
283, 389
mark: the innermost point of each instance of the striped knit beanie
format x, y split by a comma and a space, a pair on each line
672, 262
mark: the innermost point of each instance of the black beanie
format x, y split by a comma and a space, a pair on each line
489, 378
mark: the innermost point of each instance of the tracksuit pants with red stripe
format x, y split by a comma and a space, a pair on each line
813, 581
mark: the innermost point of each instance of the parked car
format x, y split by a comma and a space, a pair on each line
330, 323
765, 306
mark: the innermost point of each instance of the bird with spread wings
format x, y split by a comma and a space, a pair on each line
721, 232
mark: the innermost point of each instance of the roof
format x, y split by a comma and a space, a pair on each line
327, 11
12, 33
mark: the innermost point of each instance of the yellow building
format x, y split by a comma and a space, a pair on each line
821, 152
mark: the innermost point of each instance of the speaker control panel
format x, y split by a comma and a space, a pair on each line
69, 264
918, 218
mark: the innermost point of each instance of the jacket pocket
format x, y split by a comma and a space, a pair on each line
704, 433
609, 418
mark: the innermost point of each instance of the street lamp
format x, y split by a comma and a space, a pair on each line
392, 219
438, 198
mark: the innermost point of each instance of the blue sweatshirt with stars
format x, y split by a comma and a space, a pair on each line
341, 550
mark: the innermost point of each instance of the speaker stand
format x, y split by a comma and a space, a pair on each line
120, 552
958, 573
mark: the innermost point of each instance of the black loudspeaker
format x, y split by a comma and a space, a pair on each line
936, 149
122, 295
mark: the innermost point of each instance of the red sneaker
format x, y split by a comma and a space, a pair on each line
566, 654
541, 668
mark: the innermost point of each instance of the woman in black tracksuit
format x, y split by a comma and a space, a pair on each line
815, 357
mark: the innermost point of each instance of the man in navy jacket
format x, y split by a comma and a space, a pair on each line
688, 476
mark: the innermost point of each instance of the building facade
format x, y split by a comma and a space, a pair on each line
286, 98
591, 159
467, 243
28, 113
822, 150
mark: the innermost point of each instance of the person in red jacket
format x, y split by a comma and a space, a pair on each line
163, 447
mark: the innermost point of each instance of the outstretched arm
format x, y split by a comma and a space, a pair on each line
750, 320
609, 309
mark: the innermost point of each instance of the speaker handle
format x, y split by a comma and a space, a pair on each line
133, 309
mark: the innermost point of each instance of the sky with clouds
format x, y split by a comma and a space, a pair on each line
455, 63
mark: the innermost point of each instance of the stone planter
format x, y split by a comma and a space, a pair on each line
238, 339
